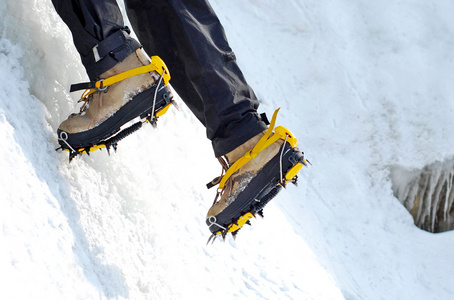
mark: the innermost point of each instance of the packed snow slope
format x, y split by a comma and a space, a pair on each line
364, 85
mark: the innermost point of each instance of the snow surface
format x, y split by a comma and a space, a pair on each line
364, 85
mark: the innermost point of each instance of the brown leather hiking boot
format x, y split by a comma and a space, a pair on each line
131, 93
255, 173
103, 104
241, 178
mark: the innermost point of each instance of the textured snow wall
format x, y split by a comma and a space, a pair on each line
427, 194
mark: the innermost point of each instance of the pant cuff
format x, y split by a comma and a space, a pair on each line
109, 52
239, 133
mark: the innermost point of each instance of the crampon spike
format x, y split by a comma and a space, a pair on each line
304, 161
212, 238
224, 234
175, 104
72, 154
295, 180
234, 233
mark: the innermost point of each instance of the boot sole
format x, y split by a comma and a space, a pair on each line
139, 106
262, 189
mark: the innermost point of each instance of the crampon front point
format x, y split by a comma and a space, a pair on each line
147, 106
268, 182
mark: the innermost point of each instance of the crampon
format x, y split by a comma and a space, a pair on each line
275, 175
147, 106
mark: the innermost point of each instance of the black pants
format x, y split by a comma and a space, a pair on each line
188, 36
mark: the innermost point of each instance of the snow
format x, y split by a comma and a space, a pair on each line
365, 86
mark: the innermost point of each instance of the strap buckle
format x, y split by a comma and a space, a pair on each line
101, 87
96, 53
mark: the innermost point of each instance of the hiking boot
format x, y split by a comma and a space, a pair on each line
102, 105
135, 87
241, 178
254, 174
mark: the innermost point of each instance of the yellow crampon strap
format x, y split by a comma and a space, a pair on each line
263, 143
239, 223
157, 64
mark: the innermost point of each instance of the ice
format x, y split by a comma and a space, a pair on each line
427, 194
364, 86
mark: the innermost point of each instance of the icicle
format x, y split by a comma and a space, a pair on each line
427, 194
